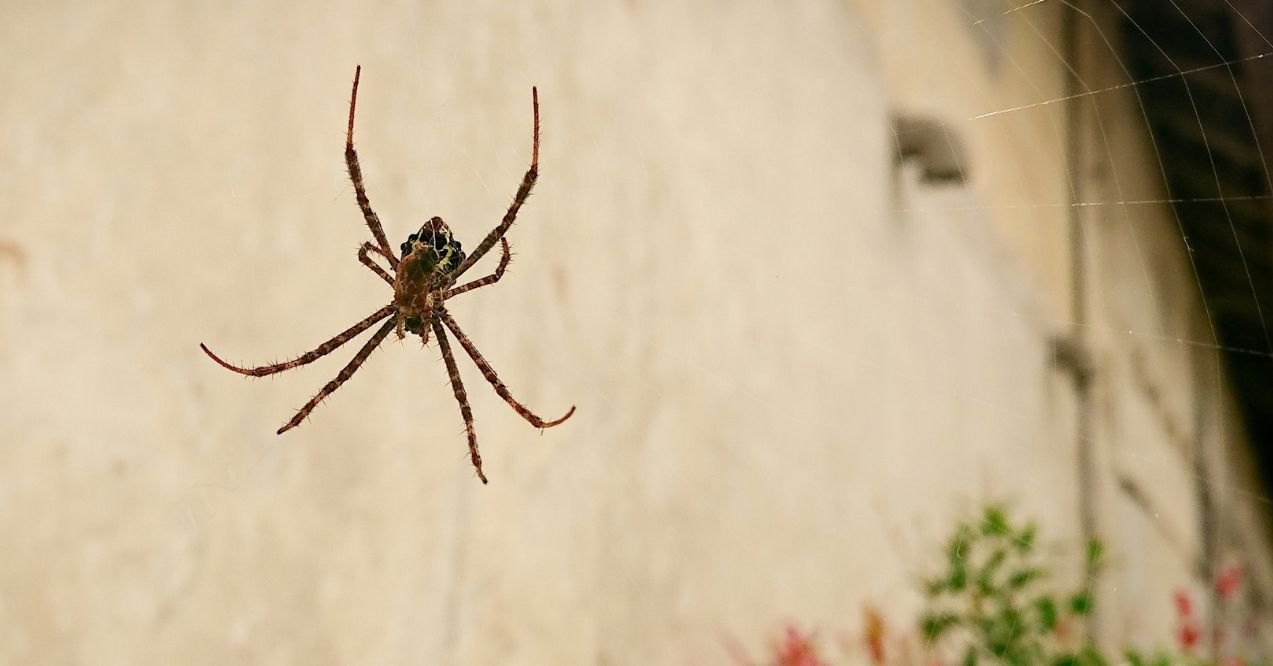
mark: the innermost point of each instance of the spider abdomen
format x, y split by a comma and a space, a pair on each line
432, 250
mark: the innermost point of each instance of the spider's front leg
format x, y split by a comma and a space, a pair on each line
367, 261
523, 192
505, 257
355, 176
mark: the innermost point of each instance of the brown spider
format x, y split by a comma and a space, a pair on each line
422, 280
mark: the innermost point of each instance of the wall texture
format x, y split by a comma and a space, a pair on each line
795, 362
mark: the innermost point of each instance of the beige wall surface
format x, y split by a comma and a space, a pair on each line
795, 362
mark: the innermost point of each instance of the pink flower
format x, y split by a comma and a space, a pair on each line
1184, 606
1228, 581
797, 649
1187, 635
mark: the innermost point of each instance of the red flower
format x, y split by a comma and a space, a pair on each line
1184, 607
797, 650
1228, 581
1187, 635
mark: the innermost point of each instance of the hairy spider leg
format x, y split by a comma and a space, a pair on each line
369, 263
523, 191
489, 373
453, 370
322, 350
355, 175
505, 257
345, 373
424, 335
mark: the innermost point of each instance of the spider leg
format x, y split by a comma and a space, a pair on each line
489, 279
523, 191
322, 350
369, 263
489, 374
355, 175
461, 397
345, 373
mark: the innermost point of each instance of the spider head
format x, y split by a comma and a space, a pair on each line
432, 249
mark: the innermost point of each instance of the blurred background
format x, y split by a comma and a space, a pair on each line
823, 278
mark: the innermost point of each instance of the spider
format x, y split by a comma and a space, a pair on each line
423, 279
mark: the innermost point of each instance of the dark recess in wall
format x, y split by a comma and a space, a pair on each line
1206, 73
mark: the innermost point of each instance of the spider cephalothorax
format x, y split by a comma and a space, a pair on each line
422, 279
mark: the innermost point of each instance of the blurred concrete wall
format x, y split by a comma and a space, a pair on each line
795, 361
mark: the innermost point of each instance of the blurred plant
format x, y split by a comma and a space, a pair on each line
994, 602
990, 603
795, 648
1232, 625
1187, 626
873, 635
885, 646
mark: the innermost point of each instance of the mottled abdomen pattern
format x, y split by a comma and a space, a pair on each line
433, 249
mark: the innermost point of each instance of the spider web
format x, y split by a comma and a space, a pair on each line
1185, 76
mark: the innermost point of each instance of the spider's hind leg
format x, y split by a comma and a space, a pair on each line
453, 371
308, 357
345, 373
489, 373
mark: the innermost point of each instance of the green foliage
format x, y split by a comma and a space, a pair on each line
991, 604
995, 602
